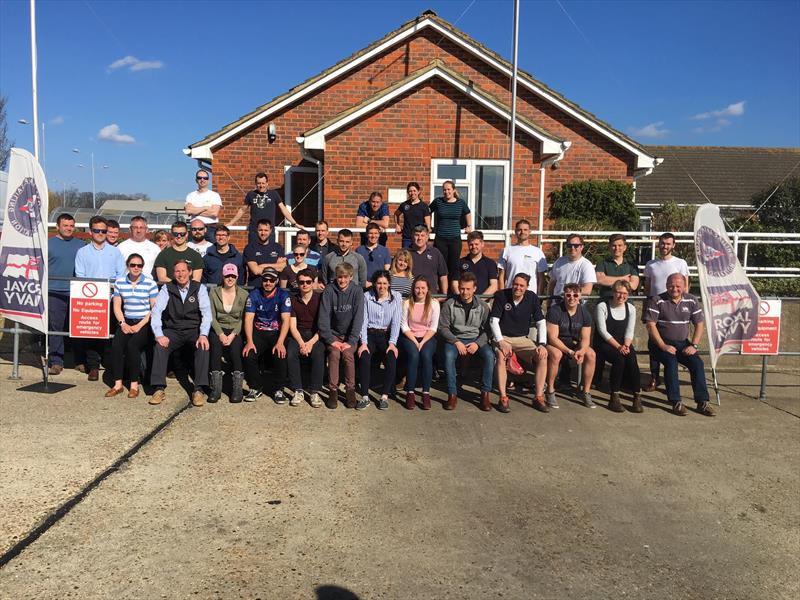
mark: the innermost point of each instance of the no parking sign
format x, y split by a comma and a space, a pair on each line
89, 308
767, 337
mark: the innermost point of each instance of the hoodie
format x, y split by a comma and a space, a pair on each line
214, 261
341, 313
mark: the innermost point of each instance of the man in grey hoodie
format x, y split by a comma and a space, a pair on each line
341, 313
464, 326
344, 254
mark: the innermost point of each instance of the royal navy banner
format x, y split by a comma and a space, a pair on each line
729, 299
23, 243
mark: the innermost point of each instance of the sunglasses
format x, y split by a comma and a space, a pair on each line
99, 230
203, 178
574, 245
304, 282
198, 228
571, 295
136, 266
179, 233
299, 253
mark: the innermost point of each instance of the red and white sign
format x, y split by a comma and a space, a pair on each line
767, 337
89, 308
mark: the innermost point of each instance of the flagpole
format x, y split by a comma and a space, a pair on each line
716, 385
510, 204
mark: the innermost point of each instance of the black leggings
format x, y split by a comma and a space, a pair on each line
129, 346
378, 343
451, 250
232, 352
624, 369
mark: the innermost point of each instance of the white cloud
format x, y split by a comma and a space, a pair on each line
732, 110
714, 127
110, 133
651, 130
59, 120
134, 64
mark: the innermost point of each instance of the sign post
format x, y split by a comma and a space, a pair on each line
89, 309
767, 337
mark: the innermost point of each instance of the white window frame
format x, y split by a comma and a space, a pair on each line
470, 181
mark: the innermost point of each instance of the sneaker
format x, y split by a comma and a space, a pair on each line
540, 404
550, 399
383, 403
279, 397
586, 398
679, 409
704, 408
362, 403
297, 398
253, 395
315, 401
55, 369
80, 368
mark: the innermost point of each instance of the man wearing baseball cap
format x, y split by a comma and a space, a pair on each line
266, 325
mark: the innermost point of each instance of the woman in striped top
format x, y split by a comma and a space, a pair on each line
133, 299
379, 332
401, 272
450, 210
419, 324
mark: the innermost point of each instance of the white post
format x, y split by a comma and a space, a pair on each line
510, 201
33, 82
94, 201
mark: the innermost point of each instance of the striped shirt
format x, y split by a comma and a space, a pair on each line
383, 314
401, 285
672, 318
135, 296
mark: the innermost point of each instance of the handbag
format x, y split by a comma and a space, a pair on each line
513, 366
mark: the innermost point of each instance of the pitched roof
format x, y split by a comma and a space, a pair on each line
315, 138
202, 148
727, 175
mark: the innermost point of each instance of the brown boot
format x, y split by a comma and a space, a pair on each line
615, 405
426, 401
451, 402
637, 403
486, 403
333, 398
502, 405
350, 398
411, 400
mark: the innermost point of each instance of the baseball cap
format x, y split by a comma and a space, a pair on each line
230, 269
269, 273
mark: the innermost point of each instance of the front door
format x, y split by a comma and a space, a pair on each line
302, 194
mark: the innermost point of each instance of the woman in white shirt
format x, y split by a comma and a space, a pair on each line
419, 323
616, 321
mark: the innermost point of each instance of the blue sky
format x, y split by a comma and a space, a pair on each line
135, 82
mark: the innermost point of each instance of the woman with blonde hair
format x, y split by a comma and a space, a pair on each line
418, 324
402, 272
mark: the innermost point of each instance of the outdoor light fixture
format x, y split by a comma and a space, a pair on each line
271, 135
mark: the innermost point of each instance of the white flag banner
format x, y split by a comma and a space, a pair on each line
23, 243
729, 299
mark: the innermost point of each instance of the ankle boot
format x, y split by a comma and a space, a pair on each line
615, 405
411, 400
216, 386
451, 402
637, 403
486, 403
333, 397
426, 401
238, 383
350, 398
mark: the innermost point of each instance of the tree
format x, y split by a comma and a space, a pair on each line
593, 204
5, 143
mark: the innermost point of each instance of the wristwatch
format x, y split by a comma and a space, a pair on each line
695, 346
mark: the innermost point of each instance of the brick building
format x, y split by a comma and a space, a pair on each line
425, 103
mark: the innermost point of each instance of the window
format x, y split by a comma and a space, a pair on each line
483, 184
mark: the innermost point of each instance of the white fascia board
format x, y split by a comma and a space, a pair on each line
314, 86
316, 141
643, 161
201, 153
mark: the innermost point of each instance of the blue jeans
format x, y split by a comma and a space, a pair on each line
58, 307
416, 359
451, 355
671, 361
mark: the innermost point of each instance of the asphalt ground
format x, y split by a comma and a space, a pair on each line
115, 498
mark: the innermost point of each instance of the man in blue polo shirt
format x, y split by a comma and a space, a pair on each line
266, 324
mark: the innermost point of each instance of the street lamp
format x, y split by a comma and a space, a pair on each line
94, 196
44, 151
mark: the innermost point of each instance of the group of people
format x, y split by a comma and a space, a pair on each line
329, 308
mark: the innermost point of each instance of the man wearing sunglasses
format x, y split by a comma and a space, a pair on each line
220, 254
98, 260
312, 258
572, 268
197, 237
204, 204
179, 250
304, 344
374, 254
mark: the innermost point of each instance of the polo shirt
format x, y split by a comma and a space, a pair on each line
306, 314
612, 269
569, 326
516, 319
523, 259
103, 263
268, 309
364, 210
61, 262
429, 264
135, 297
672, 319
448, 217
413, 215
167, 257
376, 258
324, 250
657, 270
263, 253
565, 271
485, 270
